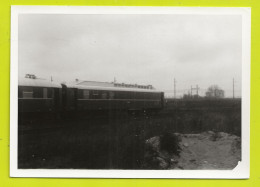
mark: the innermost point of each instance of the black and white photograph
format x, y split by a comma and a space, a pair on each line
130, 92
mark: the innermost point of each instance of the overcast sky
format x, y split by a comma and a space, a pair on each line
142, 49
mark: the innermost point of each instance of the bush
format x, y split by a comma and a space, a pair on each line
170, 142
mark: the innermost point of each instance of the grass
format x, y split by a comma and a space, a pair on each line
116, 140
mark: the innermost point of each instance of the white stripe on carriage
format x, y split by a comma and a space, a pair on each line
112, 88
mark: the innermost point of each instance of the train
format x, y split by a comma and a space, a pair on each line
41, 96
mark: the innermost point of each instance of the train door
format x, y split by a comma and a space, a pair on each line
56, 98
69, 98
162, 99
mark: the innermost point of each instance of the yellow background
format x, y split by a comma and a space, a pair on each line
5, 181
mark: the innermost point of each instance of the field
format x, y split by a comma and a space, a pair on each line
116, 139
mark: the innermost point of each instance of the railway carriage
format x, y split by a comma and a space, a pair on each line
42, 96
38, 96
80, 98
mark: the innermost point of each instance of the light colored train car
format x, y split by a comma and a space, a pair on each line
86, 97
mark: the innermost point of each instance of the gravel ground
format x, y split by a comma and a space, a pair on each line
206, 150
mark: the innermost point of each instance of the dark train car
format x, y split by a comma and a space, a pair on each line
38, 96
80, 98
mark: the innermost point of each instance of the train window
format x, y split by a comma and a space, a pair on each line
85, 94
50, 92
132, 95
150, 95
45, 91
38, 92
80, 94
153, 96
122, 95
139, 95
27, 92
157, 96
125, 95
117, 95
145, 95
142, 95
104, 95
95, 94
111, 95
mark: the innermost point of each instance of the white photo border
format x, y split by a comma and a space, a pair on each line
240, 172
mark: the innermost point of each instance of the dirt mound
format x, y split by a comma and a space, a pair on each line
207, 150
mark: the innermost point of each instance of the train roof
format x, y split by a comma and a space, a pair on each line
37, 83
112, 88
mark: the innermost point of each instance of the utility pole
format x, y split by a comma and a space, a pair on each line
233, 88
197, 89
174, 88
